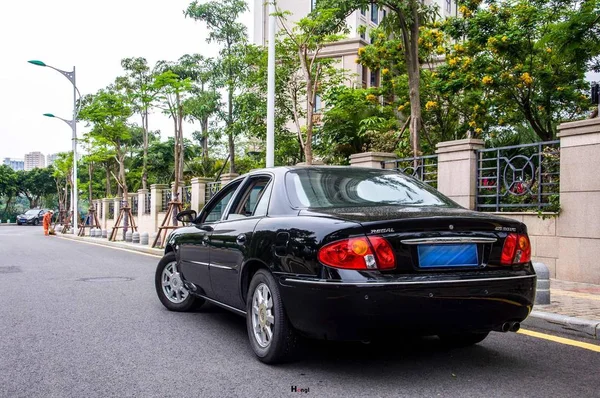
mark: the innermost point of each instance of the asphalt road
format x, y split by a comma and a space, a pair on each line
79, 320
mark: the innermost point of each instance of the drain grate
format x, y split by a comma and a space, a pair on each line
11, 269
107, 279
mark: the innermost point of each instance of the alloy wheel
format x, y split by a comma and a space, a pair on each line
172, 284
263, 320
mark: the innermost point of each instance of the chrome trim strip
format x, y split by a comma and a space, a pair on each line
364, 284
220, 266
457, 239
220, 304
199, 263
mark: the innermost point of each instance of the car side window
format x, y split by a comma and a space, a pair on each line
215, 212
251, 202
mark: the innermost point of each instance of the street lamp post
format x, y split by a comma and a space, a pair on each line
73, 124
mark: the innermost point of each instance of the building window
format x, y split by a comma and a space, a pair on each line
449, 6
362, 33
374, 13
375, 78
365, 76
313, 4
363, 10
318, 104
384, 14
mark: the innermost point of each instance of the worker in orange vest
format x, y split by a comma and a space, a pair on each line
46, 221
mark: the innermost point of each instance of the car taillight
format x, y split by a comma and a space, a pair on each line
373, 252
516, 249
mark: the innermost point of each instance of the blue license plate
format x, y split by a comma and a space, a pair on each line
459, 255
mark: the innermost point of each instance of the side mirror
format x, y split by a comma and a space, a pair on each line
186, 216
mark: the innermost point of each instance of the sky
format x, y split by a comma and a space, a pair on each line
94, 36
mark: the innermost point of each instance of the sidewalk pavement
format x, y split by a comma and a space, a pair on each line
574, 307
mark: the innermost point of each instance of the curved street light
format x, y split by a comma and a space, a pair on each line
73, 124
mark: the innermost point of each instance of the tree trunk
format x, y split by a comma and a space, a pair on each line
230, 132
90, 173
145, 159
310, 98
204, 128
108, 187
414, 79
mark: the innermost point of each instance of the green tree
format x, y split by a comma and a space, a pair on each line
301, 46
403, 22
62, 173
221, 18
138, 84
108, 112
35, 184
174, 87
8, 186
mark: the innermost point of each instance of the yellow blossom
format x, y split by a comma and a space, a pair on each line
487, 80
452, 61
526, 78
500, 121
465, 11
361, 51
459, 48
504, 39
431, 105
476, 108
472, 123
401, 108
371, 98
381, 36
478, 130
385, 71
492, 41
439, 50
548, 50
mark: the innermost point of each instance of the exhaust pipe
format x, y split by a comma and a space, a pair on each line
515, 327
508, 327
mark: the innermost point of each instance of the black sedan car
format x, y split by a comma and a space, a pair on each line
31, 217
347, 254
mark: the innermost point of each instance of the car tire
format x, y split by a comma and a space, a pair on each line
172, 294
36, 222
465, 339
281, 346
18, 223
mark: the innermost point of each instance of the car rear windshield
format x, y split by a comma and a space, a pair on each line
347, 187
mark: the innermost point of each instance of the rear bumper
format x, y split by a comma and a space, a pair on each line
361, 310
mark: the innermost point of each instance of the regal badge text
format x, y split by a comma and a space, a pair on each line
382, 231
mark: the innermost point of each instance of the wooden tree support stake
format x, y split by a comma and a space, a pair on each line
90, 221
122, 211
173, 209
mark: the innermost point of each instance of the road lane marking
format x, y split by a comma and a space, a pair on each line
561, 340
111, 247
586, 296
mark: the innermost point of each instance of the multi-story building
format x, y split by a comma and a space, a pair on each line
50, 159
34, 159
15, 164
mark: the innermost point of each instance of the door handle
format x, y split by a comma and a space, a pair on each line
241, 239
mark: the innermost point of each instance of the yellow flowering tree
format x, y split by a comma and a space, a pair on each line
525, 59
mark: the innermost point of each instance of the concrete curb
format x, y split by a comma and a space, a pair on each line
119, 245
564, 324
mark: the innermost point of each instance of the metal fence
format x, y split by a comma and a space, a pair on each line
134, 204
100, 209
211, 189
166, 198
424, 168
111, 210
147, 203
519, 177
187, 195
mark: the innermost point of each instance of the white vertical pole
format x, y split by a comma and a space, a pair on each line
75, 221
270, 161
